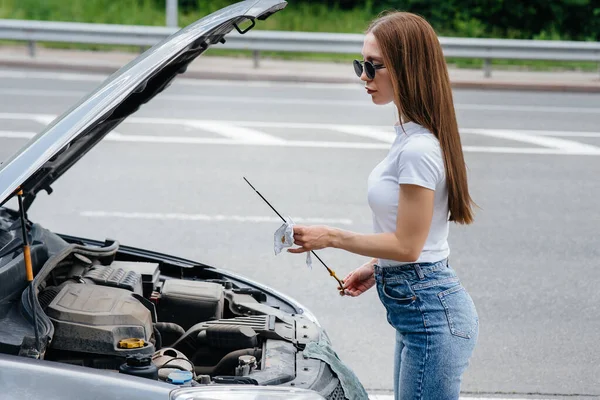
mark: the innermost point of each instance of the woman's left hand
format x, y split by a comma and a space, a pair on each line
311, 238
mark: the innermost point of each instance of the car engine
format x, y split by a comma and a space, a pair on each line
104, 314
125, 316
109, 307
99, 319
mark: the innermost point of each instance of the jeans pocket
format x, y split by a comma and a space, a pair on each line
399, 292
460, 311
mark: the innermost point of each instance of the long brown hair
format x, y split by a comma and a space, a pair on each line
413, 56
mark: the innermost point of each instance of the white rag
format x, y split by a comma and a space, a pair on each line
284, 237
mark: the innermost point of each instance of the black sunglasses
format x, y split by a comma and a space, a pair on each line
369, 68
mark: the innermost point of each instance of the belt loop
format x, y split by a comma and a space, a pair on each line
419, 272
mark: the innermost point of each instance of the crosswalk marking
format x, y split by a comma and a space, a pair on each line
568, 134
44, 119
387, 137
116, 137
568, 146
234, 132
250, 133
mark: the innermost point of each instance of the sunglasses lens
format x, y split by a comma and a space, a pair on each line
370, 70
358, 69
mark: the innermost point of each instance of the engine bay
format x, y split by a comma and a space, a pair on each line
103, 308
123, 317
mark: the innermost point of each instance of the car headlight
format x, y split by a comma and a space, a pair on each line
244, 393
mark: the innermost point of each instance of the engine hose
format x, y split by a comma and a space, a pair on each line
169, 331
170, 327
228, 362
157, 338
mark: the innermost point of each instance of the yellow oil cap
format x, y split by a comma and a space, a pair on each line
131, 343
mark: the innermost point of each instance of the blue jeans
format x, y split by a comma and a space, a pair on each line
436, 328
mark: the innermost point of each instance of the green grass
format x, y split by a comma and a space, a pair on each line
297, 16
130, 12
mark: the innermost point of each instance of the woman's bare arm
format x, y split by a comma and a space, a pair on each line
415, 211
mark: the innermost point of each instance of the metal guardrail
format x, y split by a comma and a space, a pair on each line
257, 41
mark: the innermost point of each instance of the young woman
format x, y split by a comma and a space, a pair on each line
414, 194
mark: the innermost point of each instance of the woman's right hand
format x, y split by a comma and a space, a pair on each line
360, 280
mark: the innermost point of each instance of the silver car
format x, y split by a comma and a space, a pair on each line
89, 319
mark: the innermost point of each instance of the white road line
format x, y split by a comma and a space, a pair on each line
235, 132
297, 125
248, 124
377, 132
567, 146
224, 141
245, 132
525, 108
263, 100
305, 101
42, 93
210, 218
51, 76
181, 140
387, 137
182, 80
116, 137
26, 117
270, 84
335, 145
367, 101
527, 150
544, 132
571, 134
16, 135
198, 98
44, 119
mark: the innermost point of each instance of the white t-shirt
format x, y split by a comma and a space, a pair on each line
414, 158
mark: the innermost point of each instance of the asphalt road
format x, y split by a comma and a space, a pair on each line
170, 180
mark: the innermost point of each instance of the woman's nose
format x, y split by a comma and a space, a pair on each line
363, 76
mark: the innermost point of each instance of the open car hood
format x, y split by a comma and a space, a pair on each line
62, 143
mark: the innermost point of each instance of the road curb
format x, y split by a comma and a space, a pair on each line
296, 78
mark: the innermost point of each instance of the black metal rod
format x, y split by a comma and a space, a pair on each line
35, 320
315, 254
22, 216
25, 256
265, 200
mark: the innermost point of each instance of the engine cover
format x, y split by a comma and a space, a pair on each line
94, 319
